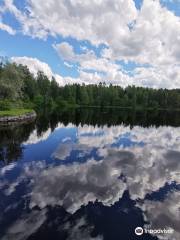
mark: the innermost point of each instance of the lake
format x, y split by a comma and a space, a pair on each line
91, 174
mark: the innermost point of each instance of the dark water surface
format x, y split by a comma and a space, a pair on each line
91, 174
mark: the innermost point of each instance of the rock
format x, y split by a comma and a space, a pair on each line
23, 117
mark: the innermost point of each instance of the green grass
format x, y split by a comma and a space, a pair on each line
15, 112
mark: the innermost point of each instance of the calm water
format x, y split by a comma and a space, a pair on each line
91, 175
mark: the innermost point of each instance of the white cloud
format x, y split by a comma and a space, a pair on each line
36, 65
7, 28
164, 214
146, 169
34, 138
81, 183
80, 229
102, 70
88, 182
83, 19
65, 50
7, 168
112, 73
68, 64
153, 38
64, 150
31, 222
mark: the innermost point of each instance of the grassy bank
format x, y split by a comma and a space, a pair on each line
15, 112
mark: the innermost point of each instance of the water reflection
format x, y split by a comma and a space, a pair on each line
90, 180
11, 138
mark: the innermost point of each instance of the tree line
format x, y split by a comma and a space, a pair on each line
20, 88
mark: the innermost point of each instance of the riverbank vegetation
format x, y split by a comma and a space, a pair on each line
15, 112
19, 89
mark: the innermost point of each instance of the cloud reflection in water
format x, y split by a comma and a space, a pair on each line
140, 169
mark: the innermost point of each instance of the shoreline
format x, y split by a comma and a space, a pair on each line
18, 118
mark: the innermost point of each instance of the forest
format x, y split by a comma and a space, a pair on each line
21, 89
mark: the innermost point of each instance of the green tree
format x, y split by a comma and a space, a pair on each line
11, 82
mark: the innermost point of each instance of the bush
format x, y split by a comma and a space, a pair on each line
5, 105
38, 102
61, 103
28, 105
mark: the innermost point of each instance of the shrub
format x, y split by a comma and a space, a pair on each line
5, 105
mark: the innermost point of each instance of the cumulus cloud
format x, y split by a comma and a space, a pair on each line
146, 36
65, 50
36, 65
104, 71
146, 168
81, 183
35, 138
164, 214
93, 69
83, 20
167, 137
145, 165
64, 150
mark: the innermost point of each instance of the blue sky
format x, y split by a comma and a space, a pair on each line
120, 42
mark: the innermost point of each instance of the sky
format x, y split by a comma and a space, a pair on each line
123, 42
